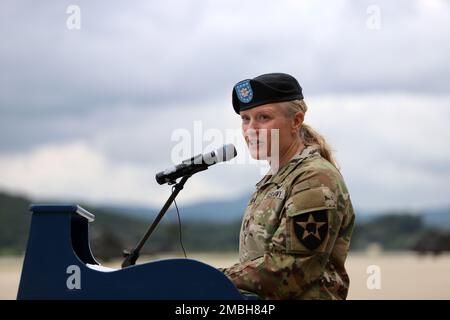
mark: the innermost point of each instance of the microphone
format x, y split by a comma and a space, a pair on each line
196, 164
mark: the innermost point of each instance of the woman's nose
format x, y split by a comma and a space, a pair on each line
251, 132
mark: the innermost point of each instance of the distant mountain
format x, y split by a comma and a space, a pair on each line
117, 230
433, 217
220, 211
208, 226
438, 217
225, 211
215, 211
14, 223
121, 228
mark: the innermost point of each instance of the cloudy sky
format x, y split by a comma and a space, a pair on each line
92, 108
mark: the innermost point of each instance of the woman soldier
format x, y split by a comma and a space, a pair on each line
296, 230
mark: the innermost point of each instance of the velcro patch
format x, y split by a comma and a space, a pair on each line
312, 200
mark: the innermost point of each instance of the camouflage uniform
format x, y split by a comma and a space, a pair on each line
296, 232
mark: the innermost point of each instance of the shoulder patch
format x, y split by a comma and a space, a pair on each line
311, 228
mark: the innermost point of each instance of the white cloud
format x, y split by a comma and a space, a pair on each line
155, 52
78, 172
73, 171
393, 148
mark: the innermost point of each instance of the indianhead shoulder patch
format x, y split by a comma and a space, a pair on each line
311, 228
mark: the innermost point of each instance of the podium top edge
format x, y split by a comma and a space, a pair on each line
62, 208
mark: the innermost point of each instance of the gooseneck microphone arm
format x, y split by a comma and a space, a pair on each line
132, 256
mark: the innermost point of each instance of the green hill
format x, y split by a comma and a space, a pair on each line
14, 223
112, 232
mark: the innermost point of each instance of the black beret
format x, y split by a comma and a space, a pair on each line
266, 88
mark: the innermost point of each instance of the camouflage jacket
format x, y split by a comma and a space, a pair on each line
296, 232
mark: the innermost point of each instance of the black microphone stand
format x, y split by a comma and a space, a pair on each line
133, 255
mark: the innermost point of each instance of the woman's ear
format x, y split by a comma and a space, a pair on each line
297, 121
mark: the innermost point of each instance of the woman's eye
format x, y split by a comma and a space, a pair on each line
263, 117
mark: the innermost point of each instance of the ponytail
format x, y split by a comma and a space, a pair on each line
308, 135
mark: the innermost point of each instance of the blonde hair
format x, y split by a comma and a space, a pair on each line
308, 135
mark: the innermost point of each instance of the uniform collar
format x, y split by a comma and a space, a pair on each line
306, 152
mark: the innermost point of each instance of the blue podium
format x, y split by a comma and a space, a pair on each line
59, 264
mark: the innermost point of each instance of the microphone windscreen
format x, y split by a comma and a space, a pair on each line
226, 153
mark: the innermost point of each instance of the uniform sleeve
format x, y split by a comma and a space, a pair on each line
301, 245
